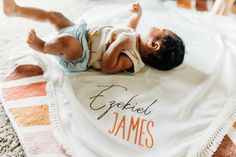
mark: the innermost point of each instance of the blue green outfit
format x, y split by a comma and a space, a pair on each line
79, 31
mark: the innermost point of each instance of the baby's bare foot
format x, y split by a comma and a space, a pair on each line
35, 42
9, 7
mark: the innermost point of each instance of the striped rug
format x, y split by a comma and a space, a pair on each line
26, 102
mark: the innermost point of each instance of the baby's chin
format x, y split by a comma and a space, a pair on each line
143, 31
144, 35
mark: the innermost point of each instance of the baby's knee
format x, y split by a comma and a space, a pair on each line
55, 14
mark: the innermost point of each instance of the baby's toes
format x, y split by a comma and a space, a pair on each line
33, 32
30, 38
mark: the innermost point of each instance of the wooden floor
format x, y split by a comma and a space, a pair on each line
234, 9
201, 5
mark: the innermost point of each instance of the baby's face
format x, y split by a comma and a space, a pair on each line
151, 39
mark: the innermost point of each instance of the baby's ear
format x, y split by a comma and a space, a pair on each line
155, 46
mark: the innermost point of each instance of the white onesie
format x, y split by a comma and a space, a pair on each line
101, 37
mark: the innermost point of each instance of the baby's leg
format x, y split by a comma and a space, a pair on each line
63, 45
35, 42
10, 8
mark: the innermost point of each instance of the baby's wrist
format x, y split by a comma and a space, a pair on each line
137, 14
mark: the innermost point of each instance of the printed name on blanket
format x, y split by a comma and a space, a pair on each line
138, 127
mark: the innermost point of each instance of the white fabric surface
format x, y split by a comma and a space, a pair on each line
195, 102
193, 105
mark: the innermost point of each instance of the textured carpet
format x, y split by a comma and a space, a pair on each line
9, 143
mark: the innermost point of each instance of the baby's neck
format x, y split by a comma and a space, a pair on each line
139, 45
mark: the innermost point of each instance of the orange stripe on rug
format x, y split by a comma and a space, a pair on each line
31, 115
24, 71
24, 91
234, 125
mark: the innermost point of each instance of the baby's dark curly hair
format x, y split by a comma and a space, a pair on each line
170, 55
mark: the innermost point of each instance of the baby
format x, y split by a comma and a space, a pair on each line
106, 48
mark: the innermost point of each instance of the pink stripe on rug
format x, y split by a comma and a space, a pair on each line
42, 143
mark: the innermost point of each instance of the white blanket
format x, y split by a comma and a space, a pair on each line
182, 112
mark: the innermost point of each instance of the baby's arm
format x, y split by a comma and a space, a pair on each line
137, 13
113, 61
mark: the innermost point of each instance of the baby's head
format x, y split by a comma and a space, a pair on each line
161, 48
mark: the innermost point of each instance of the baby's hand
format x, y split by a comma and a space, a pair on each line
136, 8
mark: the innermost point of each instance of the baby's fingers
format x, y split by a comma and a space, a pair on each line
135, 6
